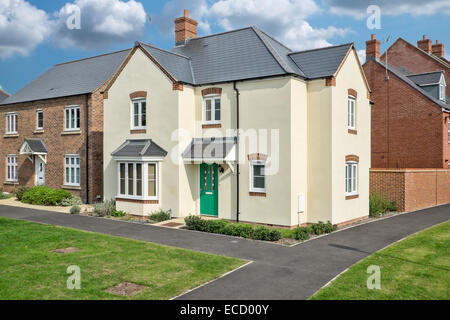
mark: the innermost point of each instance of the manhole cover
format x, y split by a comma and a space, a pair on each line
126, 289
172, 224
66, 250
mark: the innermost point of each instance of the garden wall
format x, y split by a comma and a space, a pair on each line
412, 189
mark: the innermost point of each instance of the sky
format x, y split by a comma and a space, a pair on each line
37, 34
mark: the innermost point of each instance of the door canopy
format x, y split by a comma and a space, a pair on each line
34, 147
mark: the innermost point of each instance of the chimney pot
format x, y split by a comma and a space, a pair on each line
185, 28
373, 48
424, 37
437, 41
425, 44
373, 36
186, 12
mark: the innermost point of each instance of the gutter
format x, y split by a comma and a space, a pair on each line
237, 150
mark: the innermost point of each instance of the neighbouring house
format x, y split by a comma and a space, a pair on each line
410, 115
236, 125
52, 129
3, 94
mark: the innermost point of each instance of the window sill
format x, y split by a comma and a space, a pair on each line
351, 196
11, 183
138, 131
11, 135
211, 125
142, 201
257, 194
352, 131
68, 133
38, 131
71, 187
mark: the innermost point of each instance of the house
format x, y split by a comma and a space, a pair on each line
410, 115
3, 94
236, 125
52, 129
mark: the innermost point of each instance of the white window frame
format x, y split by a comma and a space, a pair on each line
12, 168
144, 169
212, 98
351, 100
353, 165
140, 117
441, 92
12, 123
67, 179
70, 128
252, 165
39, 111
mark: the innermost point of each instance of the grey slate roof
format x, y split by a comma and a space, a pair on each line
426, 78
3, 95
323, 62
406, 78
36, 145
139, 148
71, 78
209, 148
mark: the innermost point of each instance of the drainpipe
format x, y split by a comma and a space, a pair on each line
87, 148
237, 150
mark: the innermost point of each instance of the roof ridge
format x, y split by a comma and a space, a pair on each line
274, 39
420, 74
322, 48
93, 57
3, 91
164, 50
216, 34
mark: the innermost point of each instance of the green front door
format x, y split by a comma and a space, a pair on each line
209, 193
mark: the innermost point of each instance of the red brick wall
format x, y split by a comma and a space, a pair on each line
412, 189
58, 144
402, 54
407, 127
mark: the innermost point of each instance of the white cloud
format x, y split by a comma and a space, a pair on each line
283, 19
357, 8
103, 22
361, 56
22, 27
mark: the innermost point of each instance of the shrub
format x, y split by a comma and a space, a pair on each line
20, 192
72, 201
195, 223
160, 215
302, 233
321, 228
4, 195
379, 205
43, 195
105, 208
116, 213
75, 209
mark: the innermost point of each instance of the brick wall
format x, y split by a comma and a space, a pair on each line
408, 129
412, 189
57, 142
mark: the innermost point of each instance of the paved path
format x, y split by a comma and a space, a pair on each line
276, 272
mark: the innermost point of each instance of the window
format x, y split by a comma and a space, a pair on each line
139, 112
138, 180
72, 117
258, 177
11, 123
39, 120
72, 170
351, 122
12, 168
351, 180
442, 92
211, 109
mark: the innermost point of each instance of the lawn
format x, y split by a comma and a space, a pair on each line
415, 268
30, 270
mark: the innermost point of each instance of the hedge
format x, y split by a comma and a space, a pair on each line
43, 195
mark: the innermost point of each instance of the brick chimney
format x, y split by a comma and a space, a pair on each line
424, 44
438, 49
373, 48
185, 28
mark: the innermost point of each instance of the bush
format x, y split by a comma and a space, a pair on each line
105, 208
302, 233
72, 201
232, 229
4, 195
160, 215
116, 213
379, 205
43, 195
20, 192
75, 209
321, 228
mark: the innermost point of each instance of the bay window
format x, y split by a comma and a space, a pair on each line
138, 180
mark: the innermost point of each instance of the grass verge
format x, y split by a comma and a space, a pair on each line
418, 267
30, 270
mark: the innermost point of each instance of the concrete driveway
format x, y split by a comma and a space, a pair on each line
277, 272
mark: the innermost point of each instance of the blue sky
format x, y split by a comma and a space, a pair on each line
34, 35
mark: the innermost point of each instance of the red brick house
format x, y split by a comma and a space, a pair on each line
52, 130
410, 112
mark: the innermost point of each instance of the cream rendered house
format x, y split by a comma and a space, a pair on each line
302, 151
